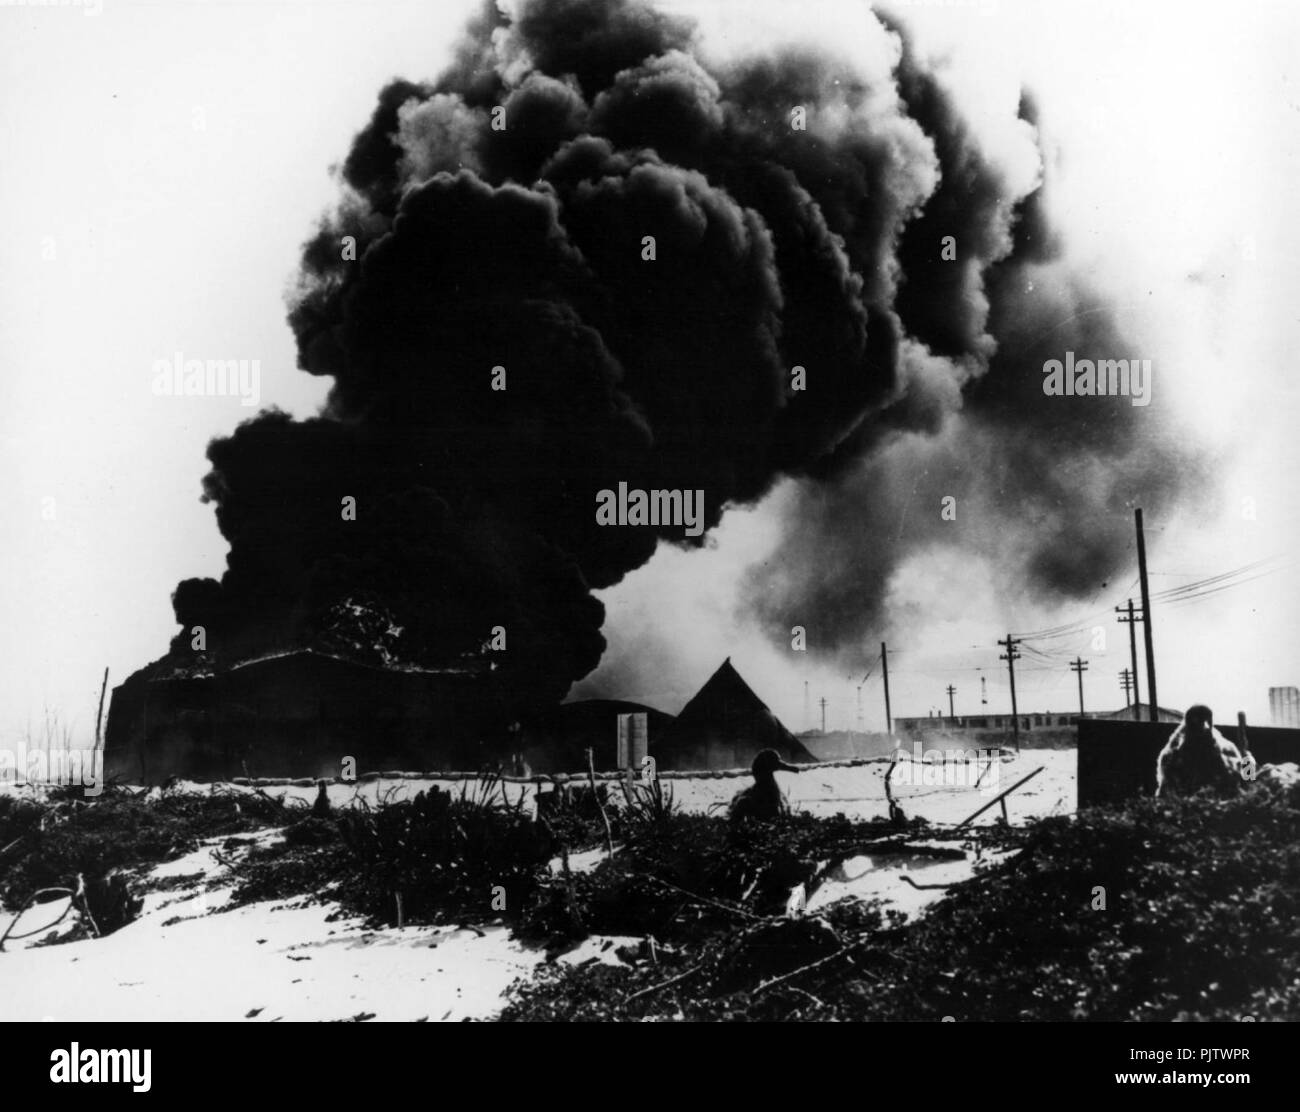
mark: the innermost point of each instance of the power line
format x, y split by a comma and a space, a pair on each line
1060, 642
1187, 592
1223, 587
1076, 626
1210, 580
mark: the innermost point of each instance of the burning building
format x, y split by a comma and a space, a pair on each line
296, 714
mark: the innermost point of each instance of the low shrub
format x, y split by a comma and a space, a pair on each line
445, 854
1157, 910
91, 838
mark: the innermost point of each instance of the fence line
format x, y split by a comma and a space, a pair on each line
576, 777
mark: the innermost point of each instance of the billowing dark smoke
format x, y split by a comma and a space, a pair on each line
458, 248
1044, 487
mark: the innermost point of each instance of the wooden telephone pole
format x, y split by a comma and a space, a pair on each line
1079, 665
1131, 621
99, 716
1011, 656
823, 703
1146, 614
884, 665
951, 692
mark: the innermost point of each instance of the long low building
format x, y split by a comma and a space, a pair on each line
1028, 722
297, 713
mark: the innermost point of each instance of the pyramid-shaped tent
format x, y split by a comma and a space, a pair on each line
724, 726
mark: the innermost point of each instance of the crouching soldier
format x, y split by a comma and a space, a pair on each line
1197, 756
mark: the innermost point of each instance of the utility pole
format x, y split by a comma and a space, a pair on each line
99, 717
1011, 656
984, 691
1126, 682
1131, 621
823, 703
1146, 613
1079, 665
884, 664
951, 692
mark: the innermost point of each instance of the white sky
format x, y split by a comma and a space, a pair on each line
174, 155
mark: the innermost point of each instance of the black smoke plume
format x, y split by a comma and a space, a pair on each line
775, 246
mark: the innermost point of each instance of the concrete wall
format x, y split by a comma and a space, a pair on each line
1117, 759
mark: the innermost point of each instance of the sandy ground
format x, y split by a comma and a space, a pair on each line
941, 795
187, 959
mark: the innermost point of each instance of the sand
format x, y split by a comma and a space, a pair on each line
186, 958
